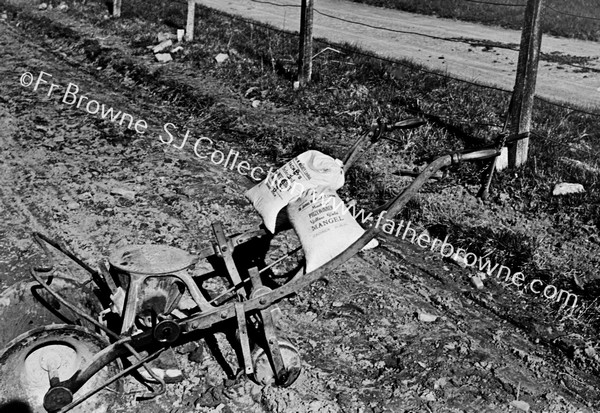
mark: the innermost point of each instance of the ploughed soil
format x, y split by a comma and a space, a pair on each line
395, 329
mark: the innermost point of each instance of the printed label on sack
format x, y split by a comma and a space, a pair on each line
286, 178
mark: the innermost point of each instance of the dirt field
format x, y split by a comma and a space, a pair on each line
470, 61
396, 329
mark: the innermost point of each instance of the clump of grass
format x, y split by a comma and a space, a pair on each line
513, 249
174, 15
565, 59
412, 211
364, 181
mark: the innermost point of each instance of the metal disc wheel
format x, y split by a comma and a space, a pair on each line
263, 372
61, 348
25, 305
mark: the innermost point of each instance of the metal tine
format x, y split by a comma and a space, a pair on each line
244, 339
226, 251
272, 342
230, 290
81, 313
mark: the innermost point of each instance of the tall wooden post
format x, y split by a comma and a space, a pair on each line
191, 15
524, 90
116, 12
305, 54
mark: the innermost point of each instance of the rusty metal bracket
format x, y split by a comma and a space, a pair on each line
108, 279
244, 340
225, 249
273, 350
272, 342
43, 242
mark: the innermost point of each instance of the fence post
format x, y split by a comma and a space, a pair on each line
524, 90
116, 8
305, 54
191, 14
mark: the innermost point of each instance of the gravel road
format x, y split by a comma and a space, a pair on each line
469, 61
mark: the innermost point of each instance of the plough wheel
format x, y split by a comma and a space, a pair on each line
59, 350
263, 372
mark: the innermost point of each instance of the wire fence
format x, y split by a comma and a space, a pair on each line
472, 42
578, 16
490, 3
418, 68
387, 29
457, 40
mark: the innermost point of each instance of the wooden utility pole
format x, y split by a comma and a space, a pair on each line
305, 54
524, 90
116, 8
191, 15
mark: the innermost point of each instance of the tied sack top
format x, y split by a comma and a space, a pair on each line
309, 170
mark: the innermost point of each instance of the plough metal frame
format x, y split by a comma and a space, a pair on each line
59, 397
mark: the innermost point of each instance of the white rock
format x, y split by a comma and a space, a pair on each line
163, 57
459, 260
565, 188
372, 244
440, 383
164, 36
502, 160
520, 404
255, 103
250, 90
180, 34
173, 373
590, 352
162, 46
4, 16
427, 318
159, 372
177, 49
43, 6
477, 283
125, 193
221, 57
62, 6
